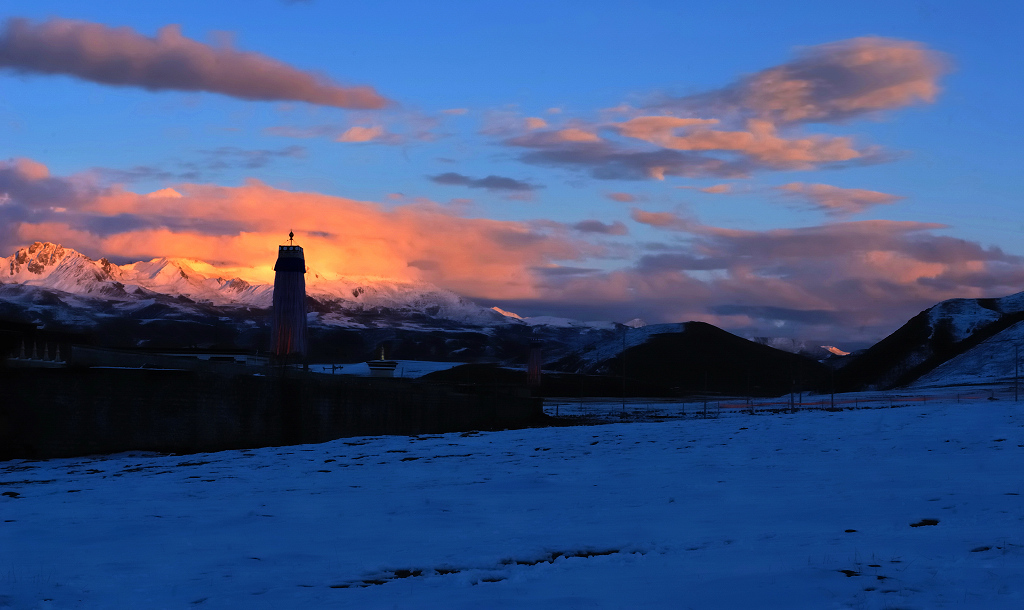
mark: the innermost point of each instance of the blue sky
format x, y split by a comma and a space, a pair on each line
551, 122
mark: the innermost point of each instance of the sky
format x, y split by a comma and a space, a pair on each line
802, 169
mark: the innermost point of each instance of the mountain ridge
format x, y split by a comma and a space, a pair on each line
55, 267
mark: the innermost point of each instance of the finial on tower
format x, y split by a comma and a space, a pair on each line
291, 237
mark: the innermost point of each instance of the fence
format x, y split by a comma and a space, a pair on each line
673, 408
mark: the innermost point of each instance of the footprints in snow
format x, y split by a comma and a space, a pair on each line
490, 574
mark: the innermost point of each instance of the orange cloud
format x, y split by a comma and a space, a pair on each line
239, 227
759, 141
574, 134
31, 170
535, 123
123, 57
658, 129
836, 200
869, 275
361, 134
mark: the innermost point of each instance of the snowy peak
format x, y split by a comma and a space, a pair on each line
54, 266
36, 260
51, 266
507, 314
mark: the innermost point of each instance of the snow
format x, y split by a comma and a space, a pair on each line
808, 510
52, 266
629, 337
507, 314
963, 316
992, 360
405, 368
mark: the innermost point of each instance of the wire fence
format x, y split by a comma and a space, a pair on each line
609, 408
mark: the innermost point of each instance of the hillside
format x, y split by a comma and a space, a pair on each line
928, 340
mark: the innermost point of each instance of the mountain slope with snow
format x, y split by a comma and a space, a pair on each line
930, 339
53, 267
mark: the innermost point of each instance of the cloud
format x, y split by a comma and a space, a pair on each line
240, 227
491, 183
662, 220
845, 265
753, 125
210, 161
834, 200
28, 183
596, 226
391, 127
658, 129
855, 279
858, 281
224, 157
455, 111
535, 123
621, 197
697, 152
376, 133
560, 271
605, 160
759, 142
167, 192
170, 61
717, 189
828, 83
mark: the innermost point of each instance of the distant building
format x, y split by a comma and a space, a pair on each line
382, 367
288, 326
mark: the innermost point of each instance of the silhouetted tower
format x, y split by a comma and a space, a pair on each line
288, 329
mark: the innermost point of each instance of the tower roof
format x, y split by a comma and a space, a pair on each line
290, 256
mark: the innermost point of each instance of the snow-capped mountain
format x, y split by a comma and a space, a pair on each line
54, 267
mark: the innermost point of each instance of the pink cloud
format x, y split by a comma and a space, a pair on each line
661, 220
687, 148
753, 124
361, 134
830, 82
835, 200
869, 276
621, 197
659, 129
717, 189
535, 123
170, 61
240, 226
759, 142
31, 170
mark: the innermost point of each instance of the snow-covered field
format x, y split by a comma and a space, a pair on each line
911, 507
405, 368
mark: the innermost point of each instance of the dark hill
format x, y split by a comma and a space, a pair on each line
927, 340
701, 358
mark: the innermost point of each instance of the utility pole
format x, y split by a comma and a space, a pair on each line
623, 358
832, 382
